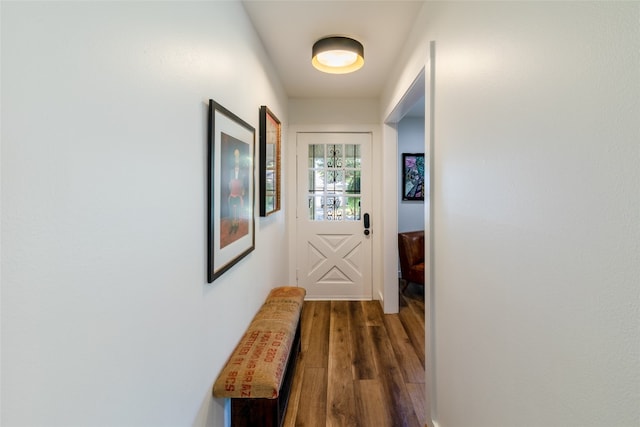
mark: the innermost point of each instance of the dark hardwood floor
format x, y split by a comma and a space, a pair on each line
360, 367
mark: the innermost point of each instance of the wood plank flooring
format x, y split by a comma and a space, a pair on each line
360, 367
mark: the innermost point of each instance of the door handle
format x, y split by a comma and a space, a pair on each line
366, 224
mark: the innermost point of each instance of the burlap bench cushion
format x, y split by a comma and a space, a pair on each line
256, 367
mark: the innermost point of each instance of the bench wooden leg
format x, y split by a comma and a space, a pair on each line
254, 412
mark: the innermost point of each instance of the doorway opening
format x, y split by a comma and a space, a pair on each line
417, 101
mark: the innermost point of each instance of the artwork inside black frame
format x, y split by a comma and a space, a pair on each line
270, 140
412, 176
230, 207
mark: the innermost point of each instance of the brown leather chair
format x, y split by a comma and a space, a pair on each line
411, 251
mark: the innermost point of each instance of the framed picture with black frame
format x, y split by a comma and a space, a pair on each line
230, 207
270, 140
412, 176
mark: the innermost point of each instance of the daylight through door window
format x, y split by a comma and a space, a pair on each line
334, 182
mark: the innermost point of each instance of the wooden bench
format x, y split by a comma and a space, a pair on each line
258, 375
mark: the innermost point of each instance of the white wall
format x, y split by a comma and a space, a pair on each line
536, 211
107, 317
410, 140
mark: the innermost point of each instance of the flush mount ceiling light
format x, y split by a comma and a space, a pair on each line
337, 55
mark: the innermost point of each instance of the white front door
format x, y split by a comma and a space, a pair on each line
333, 206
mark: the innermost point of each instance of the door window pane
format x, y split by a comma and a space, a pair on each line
352, 209
316, 181
335, 181
334, 171
316, 155
334, 155
352, 156
352, 182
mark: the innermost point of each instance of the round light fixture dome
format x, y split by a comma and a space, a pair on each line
337, 55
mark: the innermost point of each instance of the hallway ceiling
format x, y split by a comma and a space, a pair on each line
289, 28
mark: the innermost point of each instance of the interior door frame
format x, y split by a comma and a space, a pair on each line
290, 199
423, 85
365, 245
413, 93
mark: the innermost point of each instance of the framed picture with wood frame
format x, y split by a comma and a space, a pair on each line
231, 228
412, 176
270, 140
